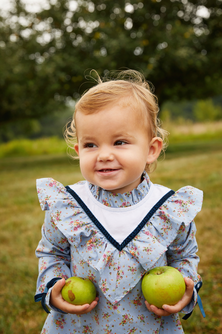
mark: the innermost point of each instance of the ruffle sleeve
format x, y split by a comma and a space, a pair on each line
119, 271
180, 208
49, 192
163, 227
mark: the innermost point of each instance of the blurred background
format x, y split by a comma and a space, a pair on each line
47, 51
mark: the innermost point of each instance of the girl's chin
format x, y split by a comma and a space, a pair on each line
118, 189
116, 184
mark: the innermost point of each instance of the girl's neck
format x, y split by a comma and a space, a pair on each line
122, 200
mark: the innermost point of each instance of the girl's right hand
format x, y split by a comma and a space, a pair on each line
57, 301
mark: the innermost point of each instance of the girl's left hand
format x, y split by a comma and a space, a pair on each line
167, 309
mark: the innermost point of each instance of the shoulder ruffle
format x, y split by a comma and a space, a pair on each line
180, 208
49, 192
119, 271
184, 205
65, 212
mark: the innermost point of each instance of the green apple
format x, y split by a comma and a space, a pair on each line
163, 285
79, 291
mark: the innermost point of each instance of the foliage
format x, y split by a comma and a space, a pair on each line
205, 110
27, 147
45, 55
46, 126
178, 111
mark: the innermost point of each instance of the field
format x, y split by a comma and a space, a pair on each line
196, 161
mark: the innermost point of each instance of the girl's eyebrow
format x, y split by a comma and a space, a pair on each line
124, 135
87, 138
118, 135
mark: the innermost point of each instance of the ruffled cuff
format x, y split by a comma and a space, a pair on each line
188, 309
50, 306
195, 300
45, 297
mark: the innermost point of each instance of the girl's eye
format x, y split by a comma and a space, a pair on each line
89, 145
120, 142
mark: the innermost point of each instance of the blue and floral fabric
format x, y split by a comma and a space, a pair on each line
72, 245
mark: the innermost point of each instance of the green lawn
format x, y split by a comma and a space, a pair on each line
21, 220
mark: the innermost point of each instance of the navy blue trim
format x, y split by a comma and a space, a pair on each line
132, 235
41, 296
199, 302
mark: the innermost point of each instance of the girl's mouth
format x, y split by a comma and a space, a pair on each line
107, 171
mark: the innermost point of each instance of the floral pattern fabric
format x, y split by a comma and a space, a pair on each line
72, 245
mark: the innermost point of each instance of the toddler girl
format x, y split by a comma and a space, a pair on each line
116, 225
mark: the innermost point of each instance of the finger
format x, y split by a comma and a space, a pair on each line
173, 309
189, 283
159, 311
148, 305
156, 310
55, 296
92, 306
58, 286
75, 309
79, 309
83, 309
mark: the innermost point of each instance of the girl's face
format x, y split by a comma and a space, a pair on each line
114, 146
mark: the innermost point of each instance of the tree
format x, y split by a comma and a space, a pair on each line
45, 55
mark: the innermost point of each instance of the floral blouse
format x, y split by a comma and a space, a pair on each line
73, 245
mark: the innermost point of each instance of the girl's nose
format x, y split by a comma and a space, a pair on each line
105, 155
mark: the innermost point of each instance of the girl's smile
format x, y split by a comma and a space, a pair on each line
107, 171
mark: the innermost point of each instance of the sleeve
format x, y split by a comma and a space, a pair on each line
53, 252
182, 254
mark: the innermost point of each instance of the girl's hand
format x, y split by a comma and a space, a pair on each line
167, 309
56, 300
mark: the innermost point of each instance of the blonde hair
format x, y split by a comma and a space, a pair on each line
128, 85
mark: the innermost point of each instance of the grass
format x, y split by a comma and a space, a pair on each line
21, 220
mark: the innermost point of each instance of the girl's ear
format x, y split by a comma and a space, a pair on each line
155, 148
76, 148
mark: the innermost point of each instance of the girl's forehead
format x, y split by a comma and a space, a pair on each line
122, 107
140, 112
122, 102
114, 119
